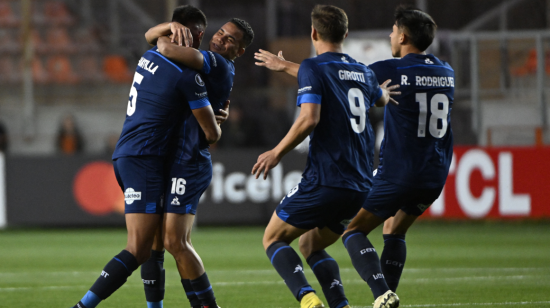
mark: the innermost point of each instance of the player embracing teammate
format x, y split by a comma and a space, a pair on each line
415, 154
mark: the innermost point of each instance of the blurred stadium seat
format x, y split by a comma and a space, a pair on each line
58, 40
55, 12
8, 44
116, 69
530, 65
60, 70
9, 73
89, 69
7, 16
39, 73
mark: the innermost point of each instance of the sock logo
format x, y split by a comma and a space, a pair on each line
104, 274
394, 263
377, 276
336, 283
298, 268
148, 281
364, 251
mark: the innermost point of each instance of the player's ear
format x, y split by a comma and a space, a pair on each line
314, 34
201, 34
346, 35
240, 52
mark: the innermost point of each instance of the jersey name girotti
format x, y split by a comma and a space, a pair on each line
418, 141
342, 144
161, 92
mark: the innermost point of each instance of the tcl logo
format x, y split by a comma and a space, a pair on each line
495, 183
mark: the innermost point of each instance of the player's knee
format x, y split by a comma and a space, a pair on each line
305, 247
176, 245
141, 255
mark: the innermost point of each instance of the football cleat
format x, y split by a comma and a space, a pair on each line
311, 300
387, 300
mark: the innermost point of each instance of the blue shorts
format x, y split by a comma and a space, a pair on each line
311, 206
386, 198
142, 181
185, 185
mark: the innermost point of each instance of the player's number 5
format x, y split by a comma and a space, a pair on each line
358, 111
437, 114
133, 95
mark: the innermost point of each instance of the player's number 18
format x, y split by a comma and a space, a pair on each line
133, 94
437, 114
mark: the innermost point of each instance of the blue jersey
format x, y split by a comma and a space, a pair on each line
162, 94
217, 74
418, 140
342, 144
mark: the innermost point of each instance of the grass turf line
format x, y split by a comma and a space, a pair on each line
449, 264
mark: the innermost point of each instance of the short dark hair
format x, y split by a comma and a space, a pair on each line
189, 14
417, 25
248, 33
331, 22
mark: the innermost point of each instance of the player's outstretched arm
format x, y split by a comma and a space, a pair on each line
276, 62
387, 92
187, 56
181, 34
305, 123
207, 121
224, 113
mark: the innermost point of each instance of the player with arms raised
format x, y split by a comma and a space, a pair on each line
162, 94
335, 94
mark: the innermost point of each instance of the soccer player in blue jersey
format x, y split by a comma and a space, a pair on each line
162, 94
190, 170
415, 154
335, 94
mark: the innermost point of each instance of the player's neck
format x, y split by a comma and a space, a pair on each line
321, 47
407, 49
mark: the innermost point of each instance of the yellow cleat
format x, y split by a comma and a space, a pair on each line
387, 300
311, 300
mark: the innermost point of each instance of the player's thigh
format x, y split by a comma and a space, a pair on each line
185, 186
141, 233
177, 229
401, 223
279, 230
142, 180
317, 240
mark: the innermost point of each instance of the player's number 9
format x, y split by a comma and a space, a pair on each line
133, 94
359, 111
437, 114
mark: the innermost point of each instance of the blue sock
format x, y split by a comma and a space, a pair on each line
153, 277
203, 290
113, 276
366, 262
190, 293
327, 272
393, 258
289, 266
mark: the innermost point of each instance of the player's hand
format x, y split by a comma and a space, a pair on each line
266, 162
181, 34
224, 113
269, 60
391, 91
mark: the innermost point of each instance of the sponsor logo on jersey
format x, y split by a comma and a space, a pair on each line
148, 65
304, 89
347, 75
202, 94
198, 80
298, 268
364, 251
428, 61
434, 81
336, 283
175, 201
148, 281
130, 195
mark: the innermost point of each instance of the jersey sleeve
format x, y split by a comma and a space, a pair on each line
310, 86
214, 64
194, 90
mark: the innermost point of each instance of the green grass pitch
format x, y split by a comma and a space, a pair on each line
448, 265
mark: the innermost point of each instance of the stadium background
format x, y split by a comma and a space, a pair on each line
76, 58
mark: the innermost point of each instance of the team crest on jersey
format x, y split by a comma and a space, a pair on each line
344, 59
130, 195
423, 207
198, 80
175, 201
428, 61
